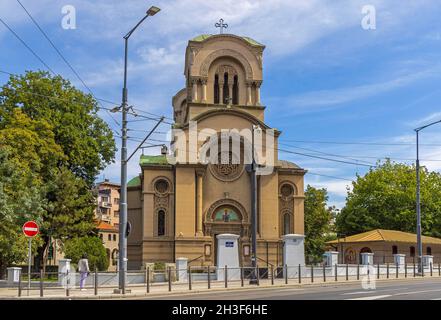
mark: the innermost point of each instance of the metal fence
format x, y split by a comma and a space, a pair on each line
46, 284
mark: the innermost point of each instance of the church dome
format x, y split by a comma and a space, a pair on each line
203, 37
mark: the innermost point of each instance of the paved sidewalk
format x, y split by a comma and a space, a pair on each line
162, 289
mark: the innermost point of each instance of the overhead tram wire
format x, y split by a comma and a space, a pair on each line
28, 47
326, 153
63, 58
359, 157
328, 176
139, 110
79, 103
361, 143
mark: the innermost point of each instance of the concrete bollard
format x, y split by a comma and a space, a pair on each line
13, 275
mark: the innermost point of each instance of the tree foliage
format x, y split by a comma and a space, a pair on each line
20, 200
318, 217
93, 247
53, 140
386, 198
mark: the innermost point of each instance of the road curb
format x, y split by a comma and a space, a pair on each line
201, 291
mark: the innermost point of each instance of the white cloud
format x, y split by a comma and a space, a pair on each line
325, 99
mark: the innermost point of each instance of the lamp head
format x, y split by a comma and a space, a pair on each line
153, 10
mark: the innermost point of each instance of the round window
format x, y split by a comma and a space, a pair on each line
161, 186
287, 190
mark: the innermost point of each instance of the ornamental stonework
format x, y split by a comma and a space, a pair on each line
226, 169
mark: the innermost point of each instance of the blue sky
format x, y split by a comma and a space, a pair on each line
326, 79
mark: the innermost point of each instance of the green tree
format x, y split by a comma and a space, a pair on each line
318, 217
93, 247
85, 139
52, 132
21, 199
385, 198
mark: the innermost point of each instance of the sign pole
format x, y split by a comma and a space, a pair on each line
29, 264
30, 230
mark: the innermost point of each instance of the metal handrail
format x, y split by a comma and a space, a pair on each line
195, 259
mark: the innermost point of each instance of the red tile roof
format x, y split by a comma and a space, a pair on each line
104, 226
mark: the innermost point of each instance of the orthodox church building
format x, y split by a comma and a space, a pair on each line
177, 209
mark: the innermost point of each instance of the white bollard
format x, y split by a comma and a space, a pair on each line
367, 258
228, 255
63, 269
13, 275
181, 268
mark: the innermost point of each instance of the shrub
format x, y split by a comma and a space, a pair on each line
92, 246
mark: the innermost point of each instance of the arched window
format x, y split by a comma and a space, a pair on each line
412, 251
394, 249
286, 223
109, 237
216, 89
226, 94
161, 223
235, 91
429, 251
114, 237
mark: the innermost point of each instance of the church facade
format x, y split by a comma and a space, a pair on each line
177, 208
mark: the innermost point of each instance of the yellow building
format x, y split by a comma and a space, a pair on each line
107, 216
110, 237
108, 202
177, 209
384, 244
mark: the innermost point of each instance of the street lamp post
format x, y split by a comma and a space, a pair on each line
123, 197
418, 202
253, 279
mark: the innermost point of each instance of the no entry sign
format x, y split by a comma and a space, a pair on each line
30, 229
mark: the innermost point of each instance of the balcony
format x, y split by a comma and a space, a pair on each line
105, 204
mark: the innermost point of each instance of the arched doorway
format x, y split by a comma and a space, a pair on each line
226, 216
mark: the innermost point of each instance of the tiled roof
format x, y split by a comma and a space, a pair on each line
104, 226
386, 235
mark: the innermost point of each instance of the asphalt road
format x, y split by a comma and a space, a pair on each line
415, 289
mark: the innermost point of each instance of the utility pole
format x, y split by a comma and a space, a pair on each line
253, 279
122, 257
418, 201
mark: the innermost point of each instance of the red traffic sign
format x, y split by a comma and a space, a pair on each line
30, 229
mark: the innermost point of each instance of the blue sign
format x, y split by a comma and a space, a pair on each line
229, 244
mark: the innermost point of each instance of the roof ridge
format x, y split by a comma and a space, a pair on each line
380, 232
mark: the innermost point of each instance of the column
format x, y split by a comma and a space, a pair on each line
204, 90
194, 97
331, 258
249, 98
221, 91
258, 83
199, 218
230, 93
367, 258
